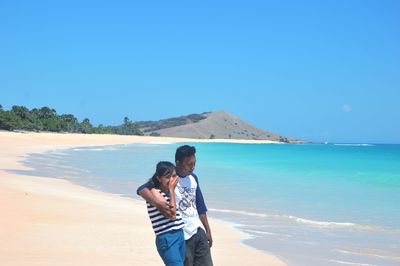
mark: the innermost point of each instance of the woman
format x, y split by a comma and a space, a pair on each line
170, 241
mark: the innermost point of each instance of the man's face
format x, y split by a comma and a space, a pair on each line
186, 166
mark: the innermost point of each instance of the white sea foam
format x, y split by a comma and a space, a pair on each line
320, 223
316, 223
240, 212
257, 232
105, 148
160, 142
395, 258
352, 263
88, 149
57, 152
353, 144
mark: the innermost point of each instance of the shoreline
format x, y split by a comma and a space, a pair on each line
149, 139
52, 221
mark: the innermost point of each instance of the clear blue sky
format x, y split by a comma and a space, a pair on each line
314, 70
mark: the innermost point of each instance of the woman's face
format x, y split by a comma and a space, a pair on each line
164, 180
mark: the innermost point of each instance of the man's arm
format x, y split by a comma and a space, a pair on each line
202, 211
204, 221
200, 204
165, 209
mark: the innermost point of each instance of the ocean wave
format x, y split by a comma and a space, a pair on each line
321, 223
105, 148
309, 222
257, 232
381, 256
246, 213
353, 144
160, 142
57, 152
352, 263
88, 149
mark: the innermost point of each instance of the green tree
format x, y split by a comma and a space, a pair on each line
21, 111
9, 121
68, 123
46, 112
27, 118
155, 134
86, 127
48, 118
45, 118
127, 122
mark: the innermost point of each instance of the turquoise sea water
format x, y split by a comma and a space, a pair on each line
308, 204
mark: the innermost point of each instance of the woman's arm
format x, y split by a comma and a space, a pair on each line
171, 188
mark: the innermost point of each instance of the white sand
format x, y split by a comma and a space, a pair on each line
47, 221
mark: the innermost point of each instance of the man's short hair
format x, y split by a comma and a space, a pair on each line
183, 152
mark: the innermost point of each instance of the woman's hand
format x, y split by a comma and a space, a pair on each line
173, 181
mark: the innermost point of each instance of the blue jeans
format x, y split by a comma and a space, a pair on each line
171, 247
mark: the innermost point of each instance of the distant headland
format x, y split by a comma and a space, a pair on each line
208, 125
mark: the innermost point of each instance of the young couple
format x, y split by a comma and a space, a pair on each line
177, 211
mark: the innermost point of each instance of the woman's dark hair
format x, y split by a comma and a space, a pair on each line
163, 169
183, 152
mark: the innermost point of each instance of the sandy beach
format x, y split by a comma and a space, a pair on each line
48, 221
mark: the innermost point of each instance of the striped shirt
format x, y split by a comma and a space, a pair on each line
159, 222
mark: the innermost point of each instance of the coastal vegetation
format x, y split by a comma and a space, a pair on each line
47, 119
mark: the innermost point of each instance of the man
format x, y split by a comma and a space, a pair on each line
190, 202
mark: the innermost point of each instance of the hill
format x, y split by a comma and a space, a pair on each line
210, 125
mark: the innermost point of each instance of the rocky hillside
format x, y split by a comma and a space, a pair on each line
218, 125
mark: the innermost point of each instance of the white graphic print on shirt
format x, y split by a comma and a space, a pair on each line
185, 194
188, 200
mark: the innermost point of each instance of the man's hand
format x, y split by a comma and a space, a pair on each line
165, 209
162, 205
157, 201
209, 237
